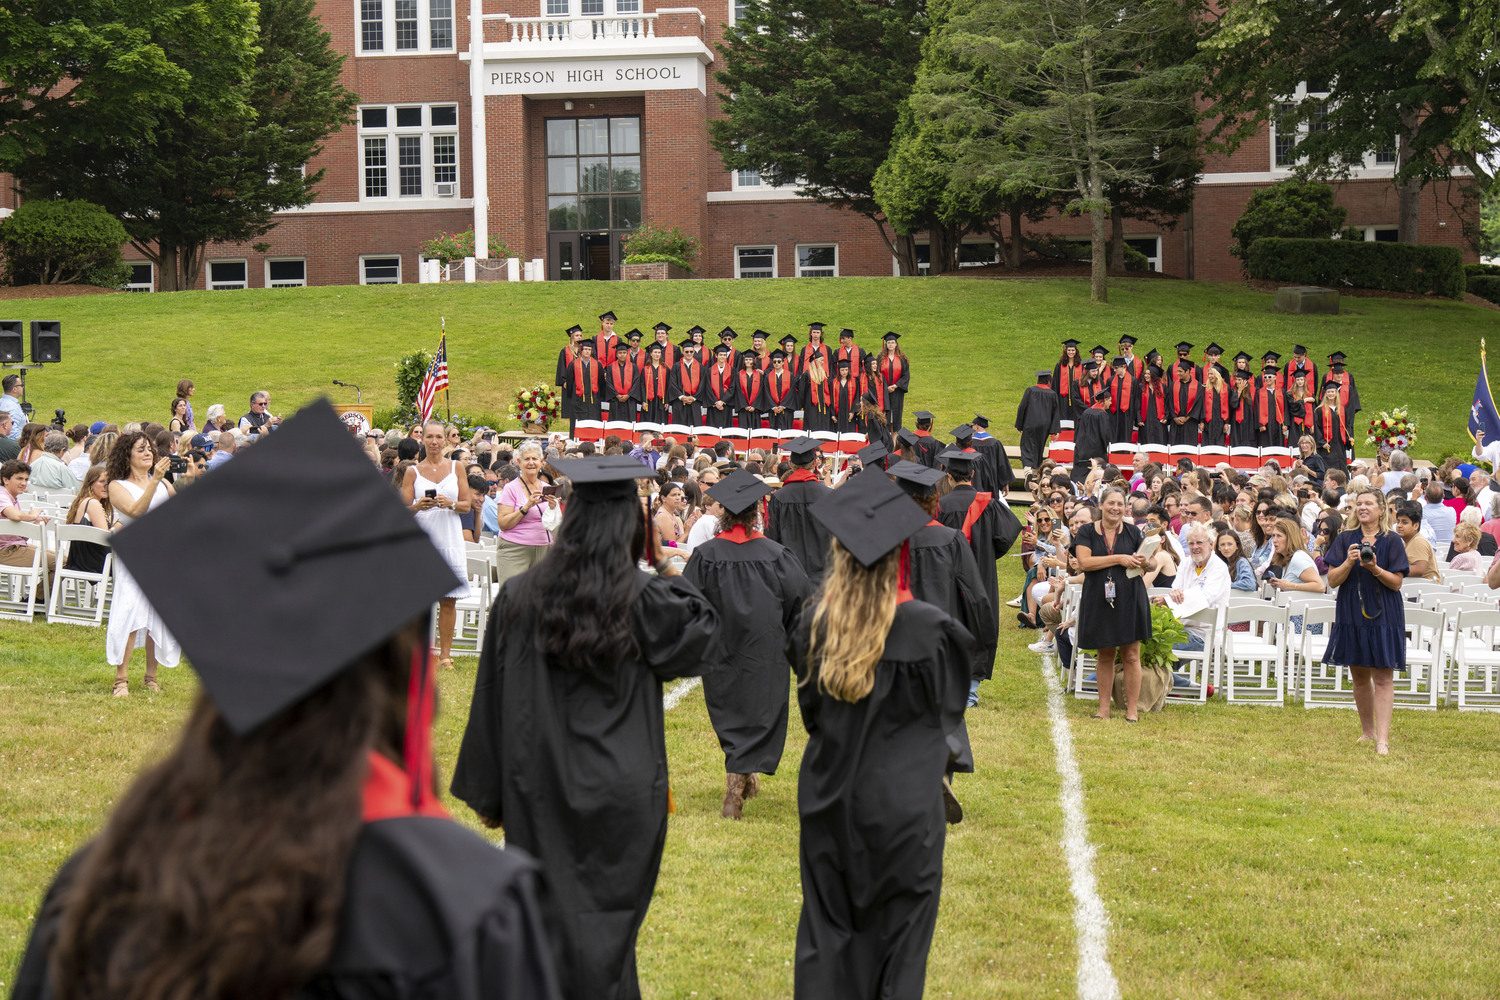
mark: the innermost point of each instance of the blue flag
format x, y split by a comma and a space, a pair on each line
1482, 415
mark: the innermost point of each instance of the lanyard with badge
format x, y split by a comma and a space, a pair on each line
1109, 574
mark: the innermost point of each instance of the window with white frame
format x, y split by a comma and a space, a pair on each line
142, 276
286, 272
1287, 131
1380, 234
817, 260
755, 262
388, 27
409, 151
589, 8
737, 9
1149, 246
227, 275
380, 270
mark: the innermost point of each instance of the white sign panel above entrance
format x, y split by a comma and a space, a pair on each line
609, 75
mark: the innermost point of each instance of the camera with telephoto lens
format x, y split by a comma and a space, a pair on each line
59, 419
1366, 552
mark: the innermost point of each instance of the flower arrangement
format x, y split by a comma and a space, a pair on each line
1396, 429
536, 404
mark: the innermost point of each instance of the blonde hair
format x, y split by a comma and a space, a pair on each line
1467, 532
1351, 520
854, 614
1296, 541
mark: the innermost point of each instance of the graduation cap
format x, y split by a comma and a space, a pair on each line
1299, 350
872, 453
761, 334
924, 415
802, 449
843, 362
1214, 349
957, 461
738, 491
586, 344
1270, 356
1044, 376
917, 480
778, 355
1089, 366
846, 332
1155, 371
601, 477
788, 339
634, 334
889, 335
1070, 342
1337, 358
870, 516
656, 348
575, 328
815, 326
749, 358
695, 328
607, 314
1117, 363
1099, 350
662, 327
1153, 353
721, 348
1331, 384
621, 346
687, 345
307, 522
983, 421
1183, 347
1126, 338
1243, 356
728, 332
1269, 370
906, 437
963, 432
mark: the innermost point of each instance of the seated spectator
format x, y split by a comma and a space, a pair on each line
1462, 497
91, 507
1488, 545
47, 470
1230, 549
1200, 571
15, 550
1466, 557
214, 419
1421, 558
33, 437
259, 420
1438, 519
471, 519
1292, 568
77, 438
9, 447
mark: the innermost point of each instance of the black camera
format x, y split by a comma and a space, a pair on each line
177, 465
59, 419
1366, 552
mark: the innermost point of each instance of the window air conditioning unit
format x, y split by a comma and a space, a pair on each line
447, 190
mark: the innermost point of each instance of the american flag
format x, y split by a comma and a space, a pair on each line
435, 381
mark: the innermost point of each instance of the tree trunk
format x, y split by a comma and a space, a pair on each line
192, 264
167, 279
1408, 193
1116, 239
1098, 217
942, 244
1014, 249
906, 255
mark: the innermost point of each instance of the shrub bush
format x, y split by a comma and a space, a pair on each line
1482, 270
63, 242
1486, 286
1393, 267
658, 243
1292, 209
449, 247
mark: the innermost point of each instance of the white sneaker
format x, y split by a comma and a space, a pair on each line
1043, 647
1014, 603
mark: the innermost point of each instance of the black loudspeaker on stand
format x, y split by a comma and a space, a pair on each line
46, 341
46, 348
11, 343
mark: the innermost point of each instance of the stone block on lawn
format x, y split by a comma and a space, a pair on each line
1307, 299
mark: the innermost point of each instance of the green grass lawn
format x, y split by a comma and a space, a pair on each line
974, 343
1242, 852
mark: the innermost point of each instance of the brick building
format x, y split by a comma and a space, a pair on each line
591, 117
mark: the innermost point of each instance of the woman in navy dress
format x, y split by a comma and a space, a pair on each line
1116, 614
1369, 624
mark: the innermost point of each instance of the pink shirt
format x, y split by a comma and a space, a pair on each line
530, 530
6, 500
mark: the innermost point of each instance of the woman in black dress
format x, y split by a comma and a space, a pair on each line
1114, 614
1067, 376
882, 680
92, 508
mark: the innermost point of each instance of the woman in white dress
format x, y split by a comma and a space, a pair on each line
135, 476
437, 491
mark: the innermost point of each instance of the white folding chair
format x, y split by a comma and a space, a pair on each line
1082, 661
79, 598
471, 615
1414, 590
1254, 661
1480, 592
1322, 683
1199, 663
1475, 660
1454, 581
1296, 605
18, 584
1421, 687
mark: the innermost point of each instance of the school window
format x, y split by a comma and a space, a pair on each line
226, 275
818, 260
1380, 234
593, 173
410, 151
380, 270
142, 277
289, 273
738, 9
1385, 157
747, 179
1284, 134
1149, 246
971, 253
390, 27
755, 262
558, 8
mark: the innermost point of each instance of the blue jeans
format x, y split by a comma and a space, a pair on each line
1194, 644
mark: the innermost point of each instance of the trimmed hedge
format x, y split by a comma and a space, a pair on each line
1482, 270
1486, 286
1393, 267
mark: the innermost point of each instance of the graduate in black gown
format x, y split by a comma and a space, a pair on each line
719, 391
585, 386
872, 457
758, 589
653, 385
881, 684
1037, 418
963, 440
749, 387
620, 389
1154, 411
944, 573
1067, 376
872, 423
687, 391
927, 446
1331, 430
563, 381
1348, 394
906, 444
1091, 438
779, 397
565, 745
1216, 408
1270, 410
1124, 395
1241, 410
1185, 407
845, 393
292, 843
788, 519
895, 377
988, 525
997, 471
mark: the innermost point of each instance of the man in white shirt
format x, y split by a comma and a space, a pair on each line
705, 527
1438, 519
47, 469
1484, 491
1198, 510
1200, 571
1486, 452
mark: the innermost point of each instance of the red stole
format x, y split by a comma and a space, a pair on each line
719, 382
878, 389
800, 476
750, 390
1065, 376
779, 386
668, 355
977, 507
604, 345
1136, 366
1327, 415
1303, 413
655, 379
1219, 396
391, 790
845, 397
617, 373
856, 359
1192, 397
690, 375
811, 351
1342, 378
1121, 390
739, 535
1263, 403
578, 377
891, 368
1148, 391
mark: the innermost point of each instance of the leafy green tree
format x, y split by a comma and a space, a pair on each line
813, 89
1489, 224
62, 243
1294, 209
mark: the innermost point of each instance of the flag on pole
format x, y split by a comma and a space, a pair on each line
436, 380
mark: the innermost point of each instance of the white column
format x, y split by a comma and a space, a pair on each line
479, 146
512, 269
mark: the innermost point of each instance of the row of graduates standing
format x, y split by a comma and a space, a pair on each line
689, 384
1200, 405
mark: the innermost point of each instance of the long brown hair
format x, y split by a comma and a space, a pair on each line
854, 613
117, 466
222, 871
85, 494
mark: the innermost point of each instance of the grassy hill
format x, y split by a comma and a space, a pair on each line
975, 344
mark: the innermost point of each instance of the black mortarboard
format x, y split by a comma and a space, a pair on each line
924, 415
1270, 356
749, 357
1126, 338
801, 449
1183, 347
1269, 370
306, 522
721, 348
1153, 353
1213, 349
906, 437
845, 332
695, 328
844, 363
962, 432
687, 344
621, 346
728, 331
1070, 342
1337, 357
587, 343
1299, 350
575, 328
608, 314
759, 333
980, 420
738, 491
778, 355
1331, 384
957, 461
890, 335
1243, 356
1090, 366
634, 334
870, 516
1155, 371
815, 326
788, 339
869, 397
600, 477
1044, 376
872, 453
1117, 363
1100, 349
655, 348
917, 480
664, 328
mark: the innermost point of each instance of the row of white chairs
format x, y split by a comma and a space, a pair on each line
69, 596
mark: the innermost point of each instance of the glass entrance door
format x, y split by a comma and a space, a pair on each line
563, 259
593, 193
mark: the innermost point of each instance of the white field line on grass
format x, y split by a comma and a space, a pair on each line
678, 692
1096, 980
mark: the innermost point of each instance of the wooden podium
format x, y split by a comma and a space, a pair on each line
359, 416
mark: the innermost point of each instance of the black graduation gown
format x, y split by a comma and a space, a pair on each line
1241, 419
998, 475
783, 393
620, 379
1298, 417
1336, 446
895, 392
789, 522
575, 768
815, 416
1274, 435
1124, 403
927, 449
1091, 440
1070, 406
749, 389
718, 387
654, 408
990, 538
944, 574
845, 405
564, 382
1037, 417
1184, 399
431, 911
1153, 429
586, 403
758, 589
1215, 418
688, 414
878, 433
869, 795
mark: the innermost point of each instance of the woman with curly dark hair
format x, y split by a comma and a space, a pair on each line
292, 843
565, 745
137, 484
